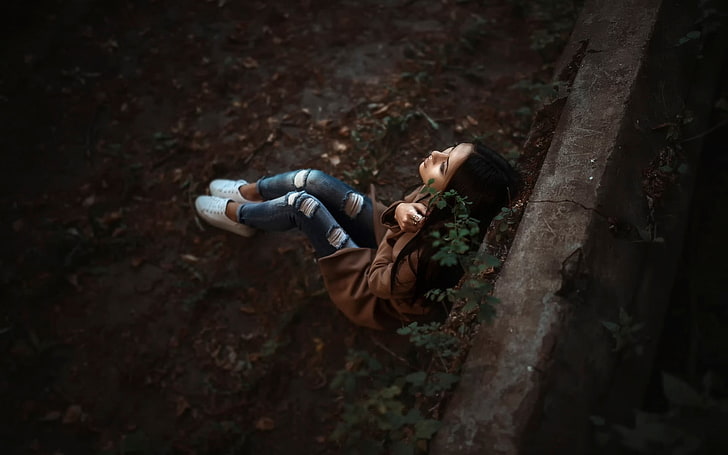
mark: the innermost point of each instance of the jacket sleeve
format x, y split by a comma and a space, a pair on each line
379, 276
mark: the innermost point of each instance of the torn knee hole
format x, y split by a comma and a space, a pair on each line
299, 180
353, 204
292, 197
303, 202
308, 206
337, 237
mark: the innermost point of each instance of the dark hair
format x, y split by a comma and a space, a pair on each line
489, 183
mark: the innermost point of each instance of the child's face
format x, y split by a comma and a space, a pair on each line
441, 166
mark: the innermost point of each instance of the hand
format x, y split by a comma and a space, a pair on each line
410, 216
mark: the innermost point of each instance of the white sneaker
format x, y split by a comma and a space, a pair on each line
228, 189
212, 210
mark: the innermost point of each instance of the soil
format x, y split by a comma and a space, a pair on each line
130, 326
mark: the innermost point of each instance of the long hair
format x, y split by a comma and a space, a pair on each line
488, 182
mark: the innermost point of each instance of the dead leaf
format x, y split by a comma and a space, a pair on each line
247, 309
51, 416
137, 261
182, 406
111, 217
319, 344
471, 120
73, 280
381, 110
250, 63
189, 258
74, 413
339, 147
265, 424
89, 201
121, 230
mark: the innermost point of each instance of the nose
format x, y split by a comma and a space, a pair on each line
438, 155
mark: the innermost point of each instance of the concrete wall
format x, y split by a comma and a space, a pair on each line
590, 241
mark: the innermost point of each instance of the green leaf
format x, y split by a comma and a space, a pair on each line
491, 261
486, 313
417, 378
425, 429
636, 327
611, 326
412, 417
446, 380
401, 448
390, 392
679, 392
470, 306
695, 34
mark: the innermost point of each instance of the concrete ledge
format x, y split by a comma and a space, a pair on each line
592, 239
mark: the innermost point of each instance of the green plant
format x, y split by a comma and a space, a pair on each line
428, 336
503, 222
624, 331
456, 247
689, 36
382, 417
388, 414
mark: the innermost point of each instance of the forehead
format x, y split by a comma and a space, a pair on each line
463, 147
459, 152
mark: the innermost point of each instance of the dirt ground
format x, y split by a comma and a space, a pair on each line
129, 326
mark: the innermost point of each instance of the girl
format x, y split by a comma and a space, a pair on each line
376, 261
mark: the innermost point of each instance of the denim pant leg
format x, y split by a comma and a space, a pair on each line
351, 209
298, 209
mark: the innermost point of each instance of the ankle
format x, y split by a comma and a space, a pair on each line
250, 192
231, 210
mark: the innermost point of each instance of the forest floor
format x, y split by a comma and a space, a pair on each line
130, 326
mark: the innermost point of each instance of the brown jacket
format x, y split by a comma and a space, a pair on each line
359, 279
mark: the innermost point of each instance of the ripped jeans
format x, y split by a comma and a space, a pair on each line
328, 211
